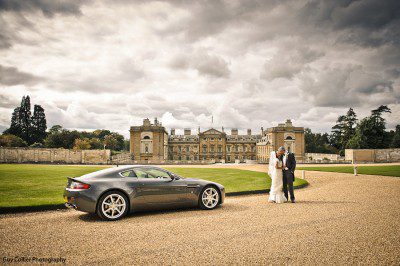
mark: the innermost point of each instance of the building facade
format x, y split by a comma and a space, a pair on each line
151, 143
285, 134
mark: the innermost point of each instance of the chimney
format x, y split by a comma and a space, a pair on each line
187, 132
288, 123
234, 131
172, 131
155, 121
249, 132
262, 131
199, 130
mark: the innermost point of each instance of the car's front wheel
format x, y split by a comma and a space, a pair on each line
113, 205
209, 198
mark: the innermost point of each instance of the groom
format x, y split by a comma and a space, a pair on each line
288, 175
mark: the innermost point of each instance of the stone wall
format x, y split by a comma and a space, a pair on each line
323, 157
372, 155
43, 155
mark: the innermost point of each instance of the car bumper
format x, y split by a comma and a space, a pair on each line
79, 200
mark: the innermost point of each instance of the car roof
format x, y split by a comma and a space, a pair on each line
112, 171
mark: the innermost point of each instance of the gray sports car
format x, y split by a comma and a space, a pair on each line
114, 192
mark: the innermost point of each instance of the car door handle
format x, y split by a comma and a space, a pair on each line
192, 186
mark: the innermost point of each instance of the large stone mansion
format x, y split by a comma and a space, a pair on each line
151, 143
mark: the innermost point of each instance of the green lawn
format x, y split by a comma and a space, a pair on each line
234, 180
42, 185
387, 170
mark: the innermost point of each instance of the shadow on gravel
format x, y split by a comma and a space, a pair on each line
187, 212
6, 210
317, 202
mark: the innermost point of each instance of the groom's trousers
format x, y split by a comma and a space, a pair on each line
288, 178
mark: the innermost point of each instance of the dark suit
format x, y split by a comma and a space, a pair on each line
288, 175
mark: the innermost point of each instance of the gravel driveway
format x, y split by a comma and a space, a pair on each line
339, 219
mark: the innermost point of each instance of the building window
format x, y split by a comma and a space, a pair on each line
187, 148
236, 148
187, 158
212, 139
219, 148
229, 158
212, 148
179, 158
228, 148
204, 149
179, 148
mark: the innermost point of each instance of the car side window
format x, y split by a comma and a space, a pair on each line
129, 173
157, 173
142, 174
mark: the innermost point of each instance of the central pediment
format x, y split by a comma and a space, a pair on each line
212, 131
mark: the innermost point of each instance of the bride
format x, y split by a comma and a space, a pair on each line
275, 172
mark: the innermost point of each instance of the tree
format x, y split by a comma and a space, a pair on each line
371, 131
344, 130
111, 142
36, 145
395, 143
81, 144
29, 128
55, 129
15, 127
337, 132
318, 143
39, 126
95, 143
102, 133
25, 119
9, 140
127, 145
63, 139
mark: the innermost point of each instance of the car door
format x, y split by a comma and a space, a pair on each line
157, 187
133, 184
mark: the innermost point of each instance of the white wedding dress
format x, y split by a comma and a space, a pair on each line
276, 193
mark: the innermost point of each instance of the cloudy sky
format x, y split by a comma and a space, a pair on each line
109, 64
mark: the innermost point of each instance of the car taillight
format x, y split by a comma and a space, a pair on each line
79, 185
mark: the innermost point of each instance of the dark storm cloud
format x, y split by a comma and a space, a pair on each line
368, 22
211, 17
288, 63
11, 76
205, 64
8, 102
20, 8
47, 7
348, 85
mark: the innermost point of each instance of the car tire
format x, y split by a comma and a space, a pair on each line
112, 206
209, 198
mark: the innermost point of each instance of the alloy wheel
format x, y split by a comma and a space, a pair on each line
113, 206
210, 197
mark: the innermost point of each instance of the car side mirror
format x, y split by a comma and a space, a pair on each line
173, 177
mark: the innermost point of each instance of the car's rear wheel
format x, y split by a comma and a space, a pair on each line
112, 206
209, 198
